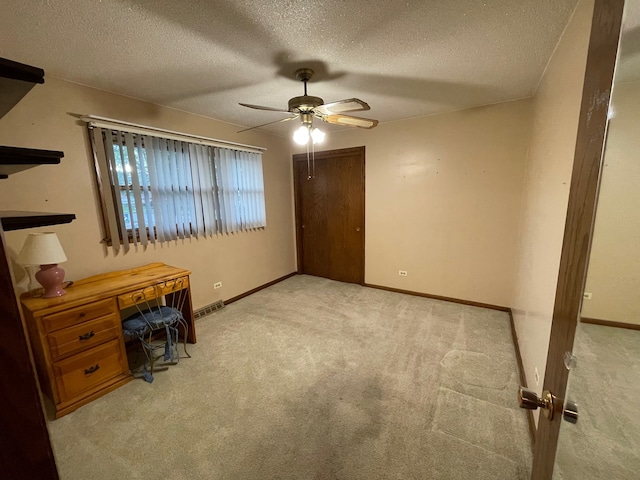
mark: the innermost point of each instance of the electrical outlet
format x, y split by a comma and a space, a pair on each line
536, 376
402, 273
587, 295
217, 285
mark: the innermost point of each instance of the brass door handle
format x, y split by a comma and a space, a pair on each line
529, 399
357, 229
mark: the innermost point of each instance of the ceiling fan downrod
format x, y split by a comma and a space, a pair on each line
304, 75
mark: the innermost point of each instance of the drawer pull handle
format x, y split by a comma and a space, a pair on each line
86, 336
83, 315
92, 369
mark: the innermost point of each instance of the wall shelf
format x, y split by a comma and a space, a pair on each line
24, 420
15, 159
16, 79
15, 220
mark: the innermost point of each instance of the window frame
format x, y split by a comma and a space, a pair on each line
136, 238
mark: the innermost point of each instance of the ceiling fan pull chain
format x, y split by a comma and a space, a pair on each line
308, 164
313, 159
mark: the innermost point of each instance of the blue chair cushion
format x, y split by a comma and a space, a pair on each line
153, 319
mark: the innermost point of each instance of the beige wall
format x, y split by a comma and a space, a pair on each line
41, 120
614, 265
443, 200
546, 191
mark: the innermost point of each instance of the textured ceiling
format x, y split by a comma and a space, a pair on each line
405, 58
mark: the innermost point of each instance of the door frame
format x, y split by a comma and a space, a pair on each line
27, 451
302, 157
578, 232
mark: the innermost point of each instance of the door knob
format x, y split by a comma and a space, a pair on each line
570, 412
357, 229
529, 399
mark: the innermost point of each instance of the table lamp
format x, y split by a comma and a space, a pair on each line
44, 249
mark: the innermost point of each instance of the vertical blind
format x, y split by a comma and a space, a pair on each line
159, 189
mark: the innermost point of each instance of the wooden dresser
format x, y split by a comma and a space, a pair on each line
77, 339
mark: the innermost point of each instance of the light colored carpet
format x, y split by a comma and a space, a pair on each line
316, 379
605, 443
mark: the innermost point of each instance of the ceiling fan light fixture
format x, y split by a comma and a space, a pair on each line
317, 135
301, 135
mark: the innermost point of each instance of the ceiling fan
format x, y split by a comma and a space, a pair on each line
306, 107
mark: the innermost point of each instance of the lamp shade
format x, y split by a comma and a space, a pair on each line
41, 249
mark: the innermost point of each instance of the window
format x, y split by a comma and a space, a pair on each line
157, 189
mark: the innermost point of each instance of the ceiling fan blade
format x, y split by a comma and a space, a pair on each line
269, 123
349, 105
350, 121
260, 107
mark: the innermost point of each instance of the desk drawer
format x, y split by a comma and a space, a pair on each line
170, 286
83, 336
85, 370
137, 296
77, 315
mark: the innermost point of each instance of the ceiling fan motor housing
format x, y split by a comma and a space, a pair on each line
304, 103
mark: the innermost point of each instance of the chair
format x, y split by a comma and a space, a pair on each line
153, 316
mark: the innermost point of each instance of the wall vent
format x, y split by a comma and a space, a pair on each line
208, 309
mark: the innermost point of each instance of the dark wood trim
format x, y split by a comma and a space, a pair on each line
341, 152
26, 448
601, 58
439, 297
297, 206
257, 289
610, 323
523, 377
364, 211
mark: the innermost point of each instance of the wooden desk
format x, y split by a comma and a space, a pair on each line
77, 339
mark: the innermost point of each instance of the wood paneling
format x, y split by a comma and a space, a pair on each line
330, 214
601, 57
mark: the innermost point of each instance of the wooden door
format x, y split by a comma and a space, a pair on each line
601, 57
330, 214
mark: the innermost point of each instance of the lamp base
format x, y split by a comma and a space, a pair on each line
51, 278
